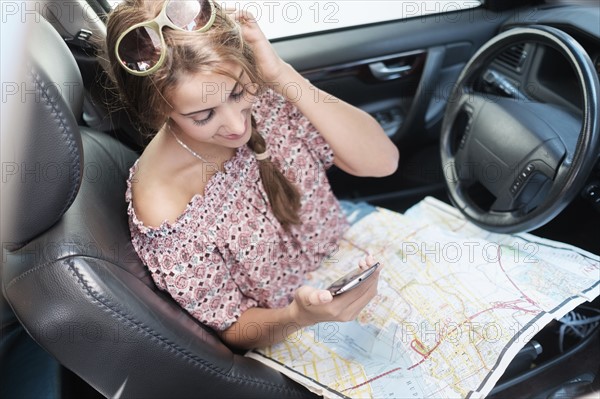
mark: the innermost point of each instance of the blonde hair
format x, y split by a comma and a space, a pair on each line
190, 53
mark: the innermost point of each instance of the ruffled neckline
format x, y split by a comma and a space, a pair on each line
237, 169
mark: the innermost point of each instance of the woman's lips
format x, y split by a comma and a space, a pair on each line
233, 137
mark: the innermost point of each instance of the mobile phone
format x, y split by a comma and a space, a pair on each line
351, 280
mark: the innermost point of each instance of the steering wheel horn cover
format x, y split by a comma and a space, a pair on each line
530, 158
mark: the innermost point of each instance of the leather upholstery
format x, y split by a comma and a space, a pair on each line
39, 187
76, 284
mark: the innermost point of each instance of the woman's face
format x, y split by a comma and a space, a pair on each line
213, 109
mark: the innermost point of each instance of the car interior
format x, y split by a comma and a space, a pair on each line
79, 313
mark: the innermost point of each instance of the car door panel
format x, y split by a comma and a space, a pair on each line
430, 53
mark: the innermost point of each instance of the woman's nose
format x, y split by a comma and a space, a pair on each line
234, 120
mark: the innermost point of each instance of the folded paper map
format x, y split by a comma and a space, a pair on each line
455, 304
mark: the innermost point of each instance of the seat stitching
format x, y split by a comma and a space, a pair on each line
65, 132
106, 303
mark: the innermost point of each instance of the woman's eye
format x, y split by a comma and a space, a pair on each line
238, 93
204, 121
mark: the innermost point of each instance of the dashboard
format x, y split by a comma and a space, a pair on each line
532, 71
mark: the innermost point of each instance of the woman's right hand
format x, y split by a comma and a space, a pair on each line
312, 305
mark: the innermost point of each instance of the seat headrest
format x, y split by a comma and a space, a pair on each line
43, 166
47, 51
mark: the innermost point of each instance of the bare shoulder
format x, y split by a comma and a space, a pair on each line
156, 197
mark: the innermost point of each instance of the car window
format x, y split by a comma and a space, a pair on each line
290, 18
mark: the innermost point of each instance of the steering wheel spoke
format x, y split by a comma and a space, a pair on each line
515, 162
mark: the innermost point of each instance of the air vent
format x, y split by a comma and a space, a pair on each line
514, 57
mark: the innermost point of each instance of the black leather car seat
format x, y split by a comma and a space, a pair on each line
69, 271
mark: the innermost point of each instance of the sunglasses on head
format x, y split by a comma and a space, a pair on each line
141, 48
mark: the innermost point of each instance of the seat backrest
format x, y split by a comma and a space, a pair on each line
70, 273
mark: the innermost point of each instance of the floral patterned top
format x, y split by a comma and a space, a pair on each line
227, 252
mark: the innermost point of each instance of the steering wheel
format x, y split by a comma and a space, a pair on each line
512, 163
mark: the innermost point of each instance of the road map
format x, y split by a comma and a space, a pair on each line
455, 304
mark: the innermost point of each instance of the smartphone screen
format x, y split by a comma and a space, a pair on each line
351, 280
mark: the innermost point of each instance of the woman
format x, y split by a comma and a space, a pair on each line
229, 203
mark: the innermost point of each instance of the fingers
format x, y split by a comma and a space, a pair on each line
367, 262
325, 297
313, 305
310, 296
362, 264
370, 260
241, 16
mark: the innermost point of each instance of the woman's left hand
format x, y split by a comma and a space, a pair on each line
269, 62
